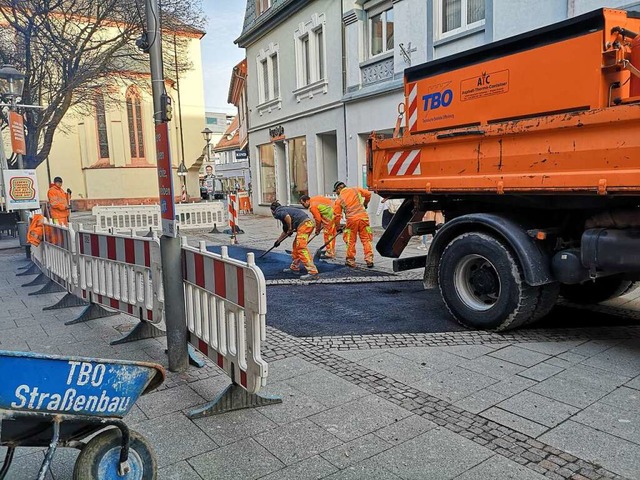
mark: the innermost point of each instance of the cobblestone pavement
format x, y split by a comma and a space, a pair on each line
529, 404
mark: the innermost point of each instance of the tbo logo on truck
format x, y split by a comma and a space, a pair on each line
435, 100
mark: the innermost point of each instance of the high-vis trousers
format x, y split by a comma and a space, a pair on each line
358, 228
329, 230
300, 253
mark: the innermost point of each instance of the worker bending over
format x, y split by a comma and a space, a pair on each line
353, 202
296, 220
321, 208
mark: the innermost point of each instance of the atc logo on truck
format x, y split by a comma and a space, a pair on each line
435, 100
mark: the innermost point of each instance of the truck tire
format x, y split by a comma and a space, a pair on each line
482, 285
604, 288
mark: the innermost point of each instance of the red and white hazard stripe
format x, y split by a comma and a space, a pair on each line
126, 250
233, 212
412, 106
223, 362
123, 307
406, 162
222, 279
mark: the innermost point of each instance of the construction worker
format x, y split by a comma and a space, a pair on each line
35, 234
296, 220
353, 202
59, 202
322, 210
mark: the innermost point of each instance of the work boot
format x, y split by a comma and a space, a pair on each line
310, 276
369, 264
324, 256
291, 270
350, 264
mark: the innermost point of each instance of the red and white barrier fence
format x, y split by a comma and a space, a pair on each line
59, 250
123, 273
226, 306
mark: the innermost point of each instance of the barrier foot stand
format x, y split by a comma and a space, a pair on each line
194, 360
41, 279
30, 270
234, 397
50, 287
92, 312
25, 266
215, 229
68, 301
141, 331
238, 230
149, 233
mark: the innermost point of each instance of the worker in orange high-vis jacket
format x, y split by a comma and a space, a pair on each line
321, 208
353, 202
59, 202
296, 220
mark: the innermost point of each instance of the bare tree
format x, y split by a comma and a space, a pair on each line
68, 49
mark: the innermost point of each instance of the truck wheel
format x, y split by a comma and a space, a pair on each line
482, 285
604, 288
99, 458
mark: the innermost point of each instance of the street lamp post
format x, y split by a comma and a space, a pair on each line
182, 173
11, 86
207, 133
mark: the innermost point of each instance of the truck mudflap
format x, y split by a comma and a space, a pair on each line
533, 259
397, 235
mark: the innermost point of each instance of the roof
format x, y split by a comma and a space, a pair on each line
255, 25
238, 79
227, 143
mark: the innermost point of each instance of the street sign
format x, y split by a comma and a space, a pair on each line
16, 124
242, 154
21, 189
165, 181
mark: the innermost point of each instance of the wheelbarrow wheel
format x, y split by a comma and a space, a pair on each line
100, 457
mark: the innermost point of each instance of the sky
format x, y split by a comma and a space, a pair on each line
219, 53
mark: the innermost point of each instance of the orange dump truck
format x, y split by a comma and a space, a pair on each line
530, 146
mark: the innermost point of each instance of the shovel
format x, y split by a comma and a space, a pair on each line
320, 251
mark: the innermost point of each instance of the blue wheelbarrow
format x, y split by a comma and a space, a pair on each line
52, 401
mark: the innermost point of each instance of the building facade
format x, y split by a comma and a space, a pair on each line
109, 155
294, 93
377, 39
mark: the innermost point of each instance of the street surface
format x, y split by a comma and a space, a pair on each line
377, 383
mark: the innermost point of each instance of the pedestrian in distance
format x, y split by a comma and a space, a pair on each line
321, 208
59, 202
353, 202
296, 220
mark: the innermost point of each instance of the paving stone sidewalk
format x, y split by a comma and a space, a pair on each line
529, 404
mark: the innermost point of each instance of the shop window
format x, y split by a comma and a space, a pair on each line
267, 173
298, 177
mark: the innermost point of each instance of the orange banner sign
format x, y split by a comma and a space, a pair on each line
16, 123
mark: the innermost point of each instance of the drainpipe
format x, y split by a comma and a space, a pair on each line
571, 8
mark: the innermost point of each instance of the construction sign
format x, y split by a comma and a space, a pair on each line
21, 189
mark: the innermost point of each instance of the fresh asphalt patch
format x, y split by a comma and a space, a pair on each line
274, 262
389, 307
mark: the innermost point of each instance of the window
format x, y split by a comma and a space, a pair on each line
460, 15
267, 173
380, 32
134, 117
262, 6
310, 48
299, 184
101, 123
268, 75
